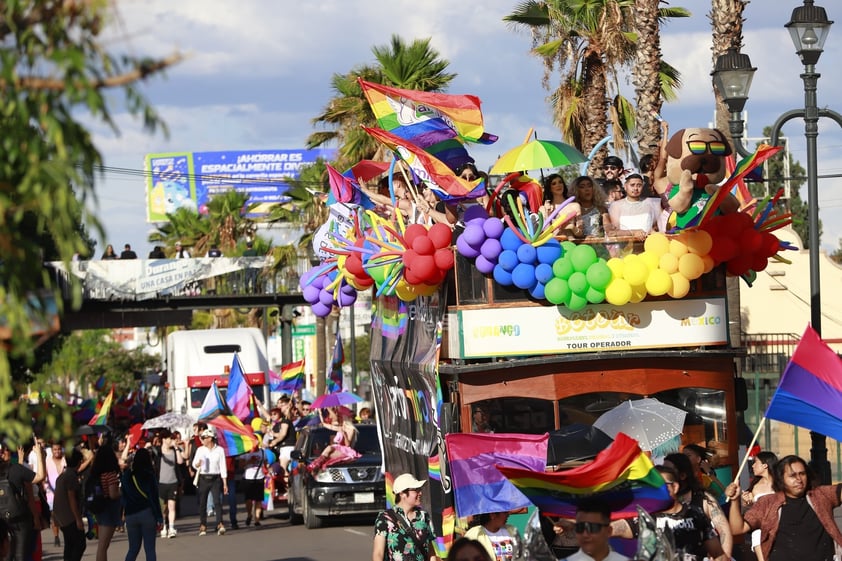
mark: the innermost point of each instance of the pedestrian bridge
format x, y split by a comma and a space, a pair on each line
137, 292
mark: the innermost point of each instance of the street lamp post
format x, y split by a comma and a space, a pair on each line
732, 76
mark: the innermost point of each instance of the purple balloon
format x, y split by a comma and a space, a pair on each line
491, 249
473, 212
347, 299
473, 235
465, 248
326, 297
347, 289
493, 227
318, 281
484, 266
311, 294
320, 309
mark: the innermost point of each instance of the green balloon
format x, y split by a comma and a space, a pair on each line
595, 296
599, 275
378, 274
556, 291
576, 302
563, 267
578, 283
583, 257
567, 247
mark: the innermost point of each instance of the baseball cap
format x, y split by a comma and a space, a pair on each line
406, 481
613, 161
208, 432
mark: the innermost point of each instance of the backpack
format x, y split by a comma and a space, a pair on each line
94, 494
12, 502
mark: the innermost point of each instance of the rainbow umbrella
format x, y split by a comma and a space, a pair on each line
537, 154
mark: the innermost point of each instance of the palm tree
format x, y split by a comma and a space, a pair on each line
726, 19
413, 66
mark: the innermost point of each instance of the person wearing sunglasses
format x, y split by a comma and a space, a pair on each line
593, 529
694, 535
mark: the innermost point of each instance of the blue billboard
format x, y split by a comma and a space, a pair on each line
189, 179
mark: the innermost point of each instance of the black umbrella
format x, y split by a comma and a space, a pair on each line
575, 442
92, 429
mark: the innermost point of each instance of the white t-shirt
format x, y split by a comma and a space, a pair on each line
634, 215
253, 461
503, 544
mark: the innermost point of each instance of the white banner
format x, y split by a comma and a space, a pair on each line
539, 330
140, 279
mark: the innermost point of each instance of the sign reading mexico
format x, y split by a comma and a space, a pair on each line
189, 179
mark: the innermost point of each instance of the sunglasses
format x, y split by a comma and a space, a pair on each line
589, 527
609, 166
716, 147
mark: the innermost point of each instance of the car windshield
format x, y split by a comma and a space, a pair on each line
367, 443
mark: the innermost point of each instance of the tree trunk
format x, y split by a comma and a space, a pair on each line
726, 18
595, 88
646, 75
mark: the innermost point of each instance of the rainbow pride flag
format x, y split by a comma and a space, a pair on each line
239, 393
621, 475
234, 437
809, 394
438, 123
433, 172
290, 380
101, 417
474, 462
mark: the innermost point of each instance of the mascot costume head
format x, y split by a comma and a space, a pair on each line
695, 167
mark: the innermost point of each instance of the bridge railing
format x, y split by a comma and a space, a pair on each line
142, 279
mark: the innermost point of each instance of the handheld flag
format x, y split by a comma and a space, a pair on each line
334, 373
239, 392
345, 189
232, 435
809, 394
101, 418
290, 380
478, 486
622, 476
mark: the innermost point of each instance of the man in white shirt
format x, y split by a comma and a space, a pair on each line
632, 215
209, 461
593, 529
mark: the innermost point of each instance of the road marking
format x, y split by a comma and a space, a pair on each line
357, 532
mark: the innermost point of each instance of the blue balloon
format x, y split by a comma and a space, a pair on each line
502, 276
332, 275
508, 260
537, 291
509, 240
524, 276
527, 254
549, 252
544, 272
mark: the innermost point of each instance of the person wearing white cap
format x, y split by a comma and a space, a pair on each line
404, 533
213, 478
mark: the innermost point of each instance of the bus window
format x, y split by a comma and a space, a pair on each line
519, 414
197, 396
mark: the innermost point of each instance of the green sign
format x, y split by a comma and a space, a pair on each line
304, 330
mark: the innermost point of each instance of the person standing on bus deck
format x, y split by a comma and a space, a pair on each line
213, 479
404, 533
480, 419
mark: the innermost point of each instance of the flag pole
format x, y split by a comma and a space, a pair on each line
749, 447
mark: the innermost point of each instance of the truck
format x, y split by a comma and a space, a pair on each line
195, 359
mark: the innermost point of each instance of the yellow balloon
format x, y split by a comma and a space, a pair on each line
677, 247
699, 242
618, 292
709, 263
650, 259
638, 293
668, 263
680, 286
426, 289
691, 266
658, 283
405, 291
616, 266
657, 243
635, 272
256, 424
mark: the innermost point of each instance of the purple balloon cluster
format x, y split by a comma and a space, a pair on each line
481, 239
320, 298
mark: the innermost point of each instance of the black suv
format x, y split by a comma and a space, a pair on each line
355, 487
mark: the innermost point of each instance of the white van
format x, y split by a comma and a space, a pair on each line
197, 358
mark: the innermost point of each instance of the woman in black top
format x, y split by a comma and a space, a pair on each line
143, 510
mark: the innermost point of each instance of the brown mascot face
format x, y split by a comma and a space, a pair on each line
701, 151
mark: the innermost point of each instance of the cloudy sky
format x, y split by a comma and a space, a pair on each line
258, 71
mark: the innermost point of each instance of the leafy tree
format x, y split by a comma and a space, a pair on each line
54, 73
412, 66
726, 20
836, 256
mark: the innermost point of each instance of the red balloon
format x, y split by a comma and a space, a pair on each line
364, 281
723, 249
440, 235
355, 265
423, 245
425, 267
413, 231
759, 262
411, 277
751, 241
444, 259
771, 244
738, 265
409, 257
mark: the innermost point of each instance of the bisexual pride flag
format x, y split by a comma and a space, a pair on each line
239, 395
809, 394
232, 435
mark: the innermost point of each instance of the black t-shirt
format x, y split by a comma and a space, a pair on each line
800, 534
289, 438
690, 527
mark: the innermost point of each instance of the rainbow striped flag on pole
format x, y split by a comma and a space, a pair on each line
234, 437
290, 380
101, 418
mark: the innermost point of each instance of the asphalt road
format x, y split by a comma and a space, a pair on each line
274, 540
